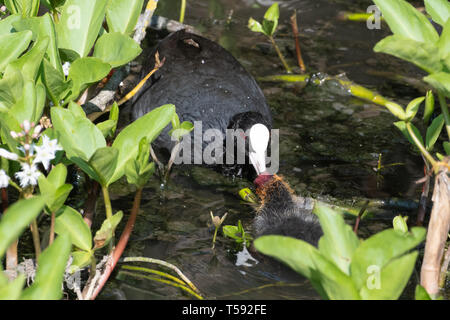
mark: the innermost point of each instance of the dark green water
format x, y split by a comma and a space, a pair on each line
329, 146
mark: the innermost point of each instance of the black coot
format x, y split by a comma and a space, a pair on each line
205, 83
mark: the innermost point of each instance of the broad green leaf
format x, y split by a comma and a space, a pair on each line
149, 126
80, 260
85, 71
79, 24
389, 282
24, 108
444, 44
422, 54
396, 110
17, 218
255, 26
339, 241
106, 232
421, 293
57, 177
71, 222
116, 49
78, 136
13, 289
104, 162
447, 148
433, 132
42, 27
30, 62
401, 125
378, 250
305, 259
11, 88
413, 107
50, 272
12, 45
440, 81
439, 10
122, 15
405, 20
429, 107
6, 24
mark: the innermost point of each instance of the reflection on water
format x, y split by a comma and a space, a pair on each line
329, 146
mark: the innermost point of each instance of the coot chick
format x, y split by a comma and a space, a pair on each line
281, 211
205, 83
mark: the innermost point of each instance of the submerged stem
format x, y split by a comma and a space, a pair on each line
182, 10
277, 49
420, 145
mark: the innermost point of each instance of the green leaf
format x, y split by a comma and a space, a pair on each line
440, 81
273, 13
447, 148
339, 242
57, 177
255, 26
6, 24
444, 44
413, 107
13, 289
377, 252
439, 10
305, 259
50, 272
421, 293
55, 83
107, 127
392, 279
401, 125
80, 260
405, 20
12, 45
85, 71
122, 15
421, 54
106, 232
104, 162
149, 126
399, 224
70, 222
80, 24
27, 8
429, 107
17, 218
78, 136
433, 132
30, 62
11, 88
116, 49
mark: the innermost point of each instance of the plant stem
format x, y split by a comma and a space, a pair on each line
36, 240
171, 160
294, 24
52, 230
117, 253
182, 11
419, 145
107, 200
277, 49
444, 108
214, 238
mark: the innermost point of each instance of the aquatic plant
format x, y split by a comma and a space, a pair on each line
345, 267
268, 27
48, 64
416, 40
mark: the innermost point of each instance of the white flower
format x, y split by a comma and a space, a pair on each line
66, 67
28, 176
4, 179
8, 155
26, 126
47, 151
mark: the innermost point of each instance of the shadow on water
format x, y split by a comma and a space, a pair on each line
329, 146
